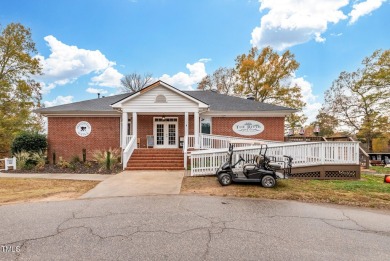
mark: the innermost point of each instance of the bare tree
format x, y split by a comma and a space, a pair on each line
223, 80
134, 82
360, 100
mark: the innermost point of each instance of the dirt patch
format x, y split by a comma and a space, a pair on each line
26, 190
370, 191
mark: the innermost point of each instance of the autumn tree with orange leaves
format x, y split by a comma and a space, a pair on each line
267, 76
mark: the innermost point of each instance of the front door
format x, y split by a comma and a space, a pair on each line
165, 132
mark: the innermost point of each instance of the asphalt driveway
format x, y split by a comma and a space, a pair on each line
177, 227
138, 182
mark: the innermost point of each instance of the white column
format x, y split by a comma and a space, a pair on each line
185, 124
124, 129
134, 122
185, 137
196, 129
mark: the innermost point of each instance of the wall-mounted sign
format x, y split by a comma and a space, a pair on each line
248, 127
83, 128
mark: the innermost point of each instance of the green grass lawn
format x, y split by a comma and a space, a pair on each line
369, 191
380, 169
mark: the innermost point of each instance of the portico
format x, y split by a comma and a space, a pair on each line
158, 116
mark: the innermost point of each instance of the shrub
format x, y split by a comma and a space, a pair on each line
27, 160
63, 163
88, 164
30, 142
75, 159
106, 159
21, 159
38, 159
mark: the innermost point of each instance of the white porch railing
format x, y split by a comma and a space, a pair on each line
131, 145
128, 138
190, 141
209, 141
206, 162
9, 162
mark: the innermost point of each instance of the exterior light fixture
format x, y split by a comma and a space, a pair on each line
302, 131
316, 129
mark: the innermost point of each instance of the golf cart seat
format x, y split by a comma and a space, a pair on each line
274, 166
257, 160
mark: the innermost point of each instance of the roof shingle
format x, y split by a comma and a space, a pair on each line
216, 101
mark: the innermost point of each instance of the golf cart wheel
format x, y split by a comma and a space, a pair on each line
268, 181
225, 179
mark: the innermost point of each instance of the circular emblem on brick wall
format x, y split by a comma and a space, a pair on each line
83, 128
248, 127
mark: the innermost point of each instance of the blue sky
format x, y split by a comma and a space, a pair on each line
87, 46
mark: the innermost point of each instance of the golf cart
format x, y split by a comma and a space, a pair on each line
261, 169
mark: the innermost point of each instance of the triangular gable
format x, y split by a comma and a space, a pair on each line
159, 83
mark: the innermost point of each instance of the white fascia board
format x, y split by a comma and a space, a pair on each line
119, 103
248, 113
81, 115
201, 104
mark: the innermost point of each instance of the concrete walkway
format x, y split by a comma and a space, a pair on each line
97, 177
139, 182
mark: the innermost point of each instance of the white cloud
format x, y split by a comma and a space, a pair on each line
59, 100
312, 105
318, 38
67, 63
94, 91
109, 78
364, 8
183, 80
292, 22
46, 88
204, 60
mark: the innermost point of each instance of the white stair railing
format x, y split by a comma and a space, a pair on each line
131, 145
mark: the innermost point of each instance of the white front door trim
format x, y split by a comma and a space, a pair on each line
163, 128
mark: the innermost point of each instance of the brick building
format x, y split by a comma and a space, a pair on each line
160, 117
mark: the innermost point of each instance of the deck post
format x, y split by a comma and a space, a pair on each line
186, 124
